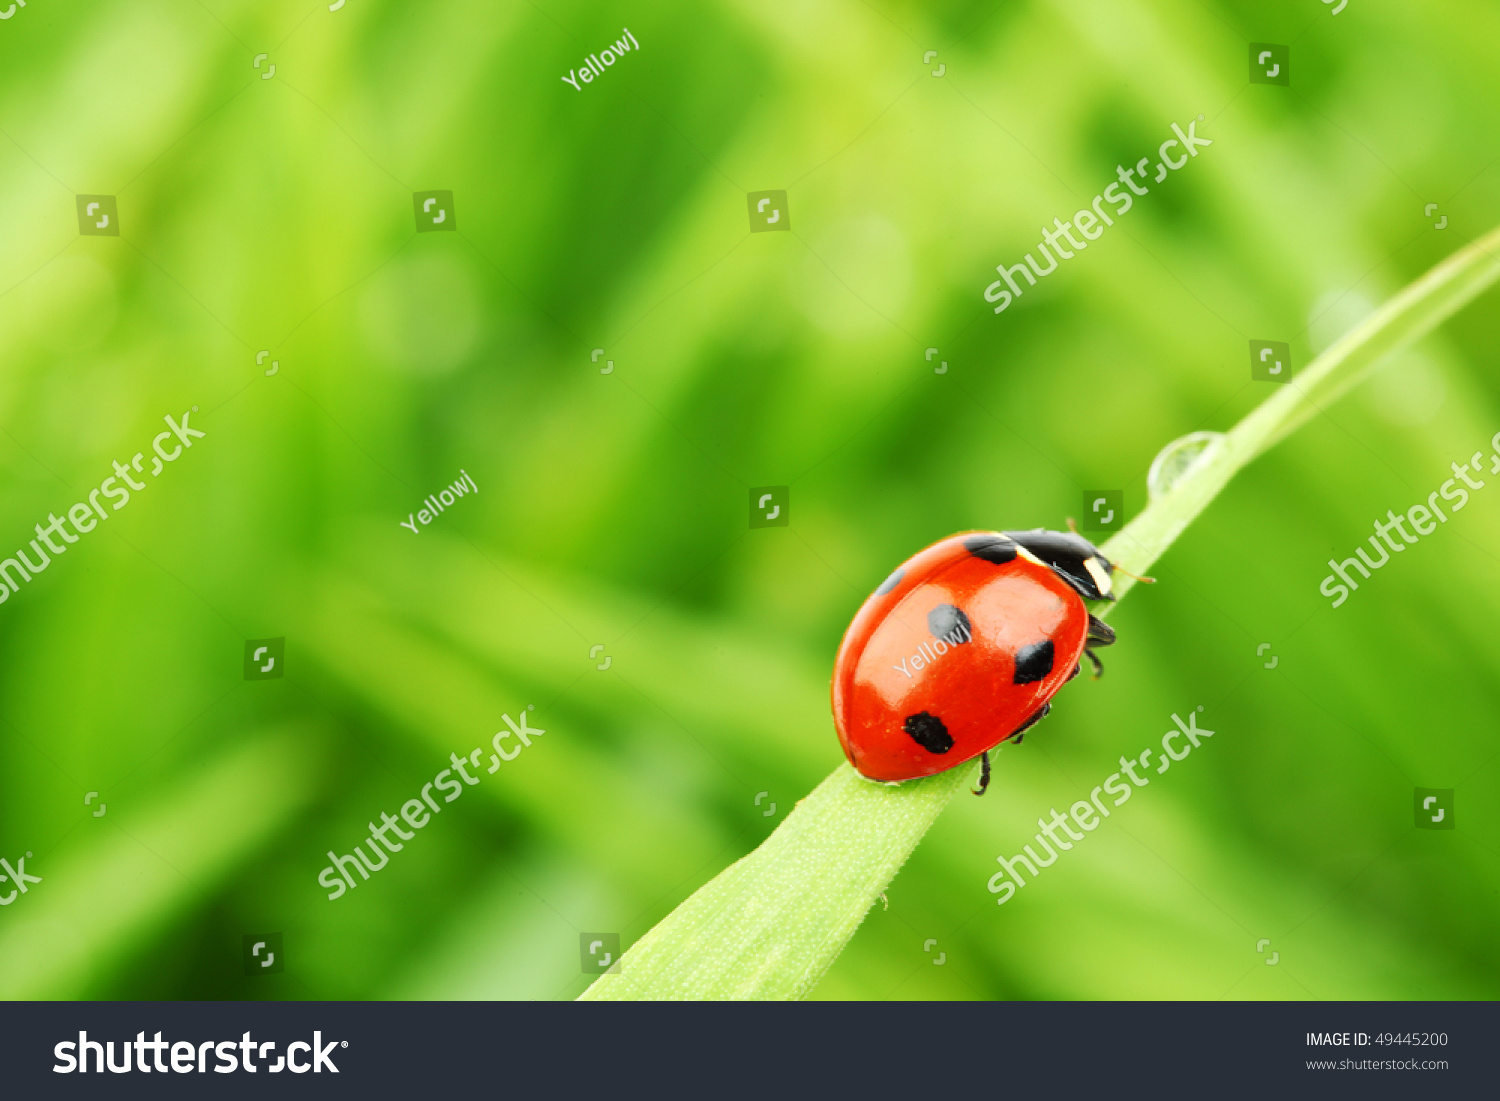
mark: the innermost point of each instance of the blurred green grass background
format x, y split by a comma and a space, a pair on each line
276, 214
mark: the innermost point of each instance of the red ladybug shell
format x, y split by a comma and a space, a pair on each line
960, 646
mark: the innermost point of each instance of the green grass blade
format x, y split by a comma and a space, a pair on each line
771, 924
1407, 317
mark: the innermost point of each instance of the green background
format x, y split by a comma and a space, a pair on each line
276, 214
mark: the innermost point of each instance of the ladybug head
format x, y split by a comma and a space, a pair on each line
1073, 558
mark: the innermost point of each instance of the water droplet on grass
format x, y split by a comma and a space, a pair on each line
1180, 458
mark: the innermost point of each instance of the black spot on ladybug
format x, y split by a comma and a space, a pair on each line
992, 548
890, 582
949, 624
1033, 662
928, 732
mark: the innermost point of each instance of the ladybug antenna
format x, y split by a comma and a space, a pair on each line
1127, 573
1072, 526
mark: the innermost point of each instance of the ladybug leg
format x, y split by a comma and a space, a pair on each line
984, 773
1100, 634
1018, 732
1015, 736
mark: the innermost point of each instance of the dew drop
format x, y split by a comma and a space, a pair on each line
1181, 458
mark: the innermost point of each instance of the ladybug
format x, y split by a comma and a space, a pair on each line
964, 646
